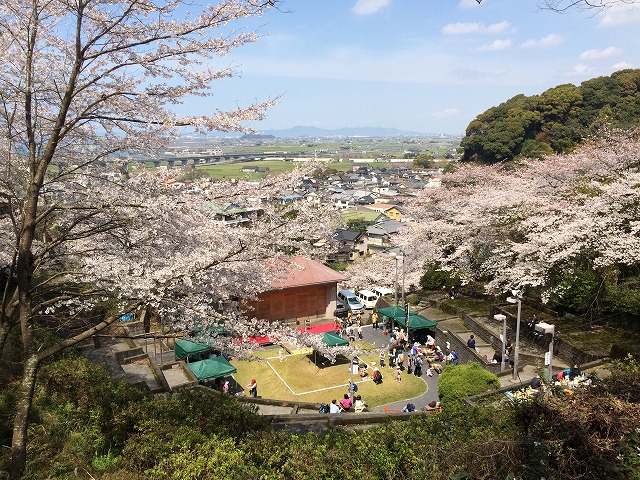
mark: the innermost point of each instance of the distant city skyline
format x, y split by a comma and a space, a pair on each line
424, 66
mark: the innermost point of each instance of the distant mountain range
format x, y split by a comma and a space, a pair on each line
309, 131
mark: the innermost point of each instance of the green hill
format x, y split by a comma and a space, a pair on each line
555, 121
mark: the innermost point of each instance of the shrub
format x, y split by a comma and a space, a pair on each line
413, 299
460, 381
434, 279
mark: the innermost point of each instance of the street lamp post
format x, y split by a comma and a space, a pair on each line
403, 276
404, 303
516, 298
502, 318
395, 284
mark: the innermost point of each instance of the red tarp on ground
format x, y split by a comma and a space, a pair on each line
325, 327
259, 340
263, 340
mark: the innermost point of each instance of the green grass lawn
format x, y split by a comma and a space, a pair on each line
317, 380
233, 170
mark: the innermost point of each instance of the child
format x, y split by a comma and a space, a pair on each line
381, 359
398, 372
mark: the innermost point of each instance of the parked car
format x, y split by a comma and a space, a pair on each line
382, 291
367, 298
341, 311
349, 299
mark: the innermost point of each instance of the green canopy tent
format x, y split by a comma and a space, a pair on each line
332, 339
416, 321
209, 368
189, 349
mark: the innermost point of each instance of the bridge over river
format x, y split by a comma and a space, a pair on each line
196, 160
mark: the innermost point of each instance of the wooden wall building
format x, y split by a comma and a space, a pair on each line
307, 291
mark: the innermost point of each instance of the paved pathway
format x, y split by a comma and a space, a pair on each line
377, 338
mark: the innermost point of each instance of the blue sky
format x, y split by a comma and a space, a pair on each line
423, 65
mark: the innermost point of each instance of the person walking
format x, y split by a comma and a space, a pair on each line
398, 374
381, 359
454, 357
471, 343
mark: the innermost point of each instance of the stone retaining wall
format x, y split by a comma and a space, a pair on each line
561, 347
332, 420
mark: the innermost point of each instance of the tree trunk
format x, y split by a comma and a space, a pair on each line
4, 334
20, 422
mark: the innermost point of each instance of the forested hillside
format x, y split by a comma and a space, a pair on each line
554, 121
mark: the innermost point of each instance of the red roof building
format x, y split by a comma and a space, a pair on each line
307, 290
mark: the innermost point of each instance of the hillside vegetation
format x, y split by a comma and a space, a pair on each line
89, 426
555, 121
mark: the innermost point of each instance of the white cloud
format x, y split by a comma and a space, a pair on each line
464, 28
468, 4
495, 45
447, 112
550, 41
579, 69
473, 76
369, 7
601, 53
621, 65
620, 15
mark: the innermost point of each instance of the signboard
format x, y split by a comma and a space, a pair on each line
354, 366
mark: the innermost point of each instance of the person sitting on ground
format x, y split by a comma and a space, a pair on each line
497, 357
377, 376
345, 403
409, 408
437, 368
430, 341
575, 371
359, 405
535, 384
334, 407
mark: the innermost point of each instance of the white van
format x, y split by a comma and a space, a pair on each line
367, 298
349, 300
382, 291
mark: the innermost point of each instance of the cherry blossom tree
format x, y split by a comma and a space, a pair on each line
526, 224
83, 81
563, 5
515, 227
